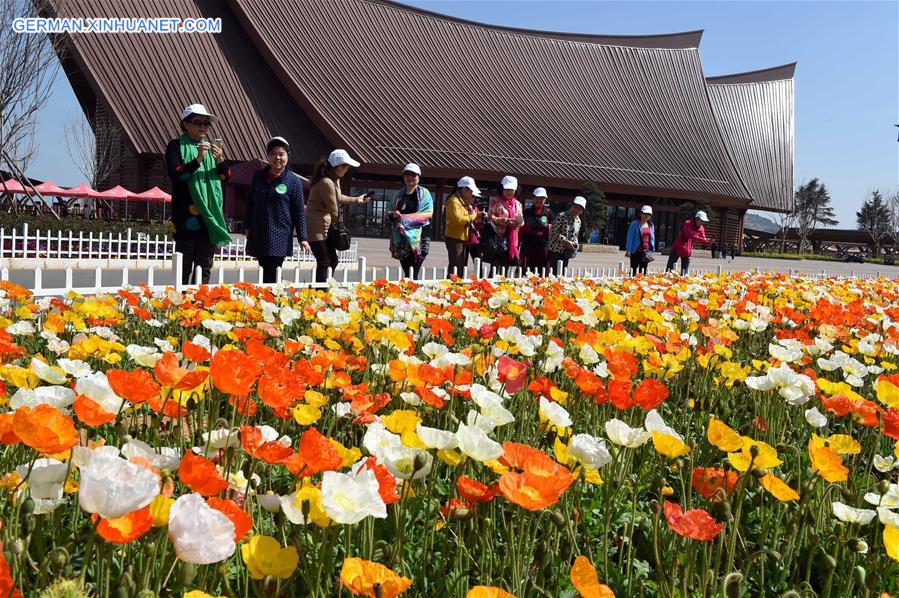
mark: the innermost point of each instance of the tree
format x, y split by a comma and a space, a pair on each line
875, 218
594, 217
812, 207
28, 65
893, 206
785, 220
95, 145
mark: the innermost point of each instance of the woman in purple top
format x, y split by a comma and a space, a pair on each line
691, 232
535, 233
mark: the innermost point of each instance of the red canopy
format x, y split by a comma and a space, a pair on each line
154, 194
51, 190
82, 190
117, 192
12, 186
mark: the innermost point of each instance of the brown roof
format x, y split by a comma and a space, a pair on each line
755, 112
495, 100
147, 79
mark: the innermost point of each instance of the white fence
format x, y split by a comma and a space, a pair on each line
128, 245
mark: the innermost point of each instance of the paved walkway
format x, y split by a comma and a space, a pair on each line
377, 255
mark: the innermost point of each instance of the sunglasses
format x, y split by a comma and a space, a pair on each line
410, 173
201, 123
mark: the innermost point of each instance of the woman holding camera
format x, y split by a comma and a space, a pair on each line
197, 169
506, 216
274, 211
410, 221
460, 218
563, 239
322, 209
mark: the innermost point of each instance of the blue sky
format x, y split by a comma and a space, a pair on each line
847, 80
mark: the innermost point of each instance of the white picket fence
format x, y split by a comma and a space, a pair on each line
127, 245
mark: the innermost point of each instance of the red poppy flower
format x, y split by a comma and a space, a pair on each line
126, 528
474, 491
366, 403
314, 454
280, 388
234, 372
430, 397
171, 374
7, 435
620, 393
442, 328
7, 584
386, 481
708, 481
695, 523
242, 521
271, 452
200, 474
865, 412
167, 407
90, 412
622, 365
890, 420
431, 375
136, 387
839, 405
243, 405
513, 374
265, 354
650, 394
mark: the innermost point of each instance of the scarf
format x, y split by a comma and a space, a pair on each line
511, 212
205, 186
410, 225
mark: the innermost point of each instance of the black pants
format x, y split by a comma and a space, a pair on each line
196, 252
458, 256
270, 265
412, 262
684, 263
325, 257
637, 263
554, 258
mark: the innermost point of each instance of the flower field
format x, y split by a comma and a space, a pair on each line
657, 436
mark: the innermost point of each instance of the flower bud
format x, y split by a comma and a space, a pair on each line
557, 518
186, 573
722, 511
460, 514
773, 554
858, 545
146, 594
847, 494
57, 559
654, 506
883, 487
759, 472
733, 585
27, 506
860, 574
18, 546
830, 563
419, 462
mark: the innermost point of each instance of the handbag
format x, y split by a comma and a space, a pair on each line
648, 257
494, 246
338, 237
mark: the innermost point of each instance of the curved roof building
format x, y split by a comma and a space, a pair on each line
395, 84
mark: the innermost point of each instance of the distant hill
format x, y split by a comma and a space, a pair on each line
759, 222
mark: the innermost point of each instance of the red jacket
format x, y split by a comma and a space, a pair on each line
683, 244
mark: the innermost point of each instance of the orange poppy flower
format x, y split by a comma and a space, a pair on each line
234, 372
708, 481
135, 387
244, 405
366, 403
622, 365
386, 481
453, 506
442, 328
650, 394
194, 353
45, 429
865, 412
533, 492
430, 397
167, 407
839, 405
7, 584
242, 521
7, 435
200, 475
271, 452
126, 528
695, 523
171, 374
513, 374
431, 375
365, 578
90, 412
8, 349
515, 454
280, 388
891, 423
245, 334
474, 491
586, 581
266, 355
827, 463
314, 454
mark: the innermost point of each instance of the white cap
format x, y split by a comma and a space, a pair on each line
509, 182
468, 182
412, 167
539, 192
702, 216
339, 157
580, 201
646, 210
198, 109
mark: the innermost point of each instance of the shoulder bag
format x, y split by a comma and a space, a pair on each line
338, 237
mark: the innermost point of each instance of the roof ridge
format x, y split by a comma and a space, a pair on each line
765, 75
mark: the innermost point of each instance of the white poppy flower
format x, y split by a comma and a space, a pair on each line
74, 367
474, 443
21, 328
554, 413
377, 438
400, 460
165, 458
350, 499
851, 514
815, 418
96, 387
884, 464
113, 487
216, 326
434, 438
889, 500
46, 372
784, 354
479, 420
655, 423
589, 451
201, 534
143, 356
271, 502
588, 354
888, 516
623, 435
55, 396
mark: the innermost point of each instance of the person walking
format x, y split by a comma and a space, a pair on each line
563, 237
460, 216
505, 215
275, 210
410, 221
323, 208
641, 241
691, 232
535, 233
197, 169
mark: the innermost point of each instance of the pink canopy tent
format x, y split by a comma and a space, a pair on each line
50, 190
82, 190
12, 186
117, 193
154, 195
